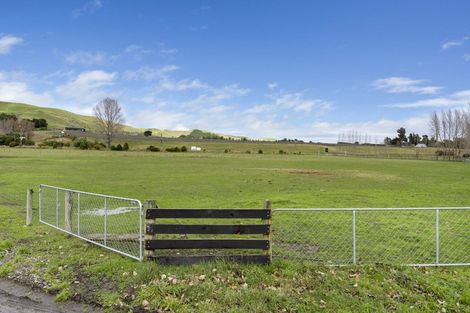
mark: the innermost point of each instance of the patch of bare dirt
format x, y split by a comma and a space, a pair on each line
310, 172
297, 171
18, 298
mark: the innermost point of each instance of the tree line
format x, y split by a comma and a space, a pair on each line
449, 131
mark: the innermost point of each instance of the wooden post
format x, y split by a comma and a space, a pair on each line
29, 207
68, 211
149, 204
268, 206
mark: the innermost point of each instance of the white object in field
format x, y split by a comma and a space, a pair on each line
420, 145
195, 148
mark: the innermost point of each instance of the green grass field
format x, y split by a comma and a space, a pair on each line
73, 269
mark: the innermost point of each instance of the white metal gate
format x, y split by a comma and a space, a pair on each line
114, 223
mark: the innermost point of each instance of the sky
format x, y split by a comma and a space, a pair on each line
311, 70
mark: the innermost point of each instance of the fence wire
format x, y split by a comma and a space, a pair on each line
407, 236
111, 222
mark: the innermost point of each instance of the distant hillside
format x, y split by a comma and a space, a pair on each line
58, 119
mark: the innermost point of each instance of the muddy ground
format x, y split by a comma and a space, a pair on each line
19, 298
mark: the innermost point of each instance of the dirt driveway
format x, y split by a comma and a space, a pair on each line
17, 298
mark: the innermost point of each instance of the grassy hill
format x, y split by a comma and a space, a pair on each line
58, 119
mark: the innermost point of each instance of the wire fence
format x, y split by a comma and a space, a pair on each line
328, 236
406, 236
114, 223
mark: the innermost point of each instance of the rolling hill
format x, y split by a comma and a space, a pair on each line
58, 119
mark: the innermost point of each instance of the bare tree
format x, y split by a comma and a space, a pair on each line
435, 126
109, 118
25, 128
451, 130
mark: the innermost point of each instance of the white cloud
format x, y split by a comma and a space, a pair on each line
7, 42
181, 85
14, 87
89, 7
160, 119
298, 103
86, 89
138, 52
460, 98
404, 85
214, 96
454, 43
86, 58
466, 57
20, 92
272, 86
293, 102
147, 73
168, 52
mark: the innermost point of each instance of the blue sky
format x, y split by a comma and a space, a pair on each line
263, 69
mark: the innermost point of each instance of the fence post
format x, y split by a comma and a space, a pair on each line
437, 236
40, 203
105, 221
149, 204
57, 207
354, 236
268, 206
78, 214
29, 207
68, 205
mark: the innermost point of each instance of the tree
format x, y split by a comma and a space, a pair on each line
109, 118
426, 140
25, 128
147, 133
451, 129
401, 135
39, 123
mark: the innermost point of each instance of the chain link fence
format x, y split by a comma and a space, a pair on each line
111, 222
407, 236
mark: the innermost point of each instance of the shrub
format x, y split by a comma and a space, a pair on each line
248, 151
13, 144
153, 149
174, 149
184, 149
466, 155
226, 151
260, 151
96, 146
147, 133
28, 142
282, 152
125, 147
82, 143
117, 148
443, 152
9, 138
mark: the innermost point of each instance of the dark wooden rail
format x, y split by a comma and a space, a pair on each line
152, 242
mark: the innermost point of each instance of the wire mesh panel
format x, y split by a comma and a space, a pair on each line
454, 236
323, 237
111, 222
395, 237
406, 236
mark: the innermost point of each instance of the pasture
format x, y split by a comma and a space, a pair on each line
69, 267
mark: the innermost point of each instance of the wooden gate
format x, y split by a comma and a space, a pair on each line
154, 228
